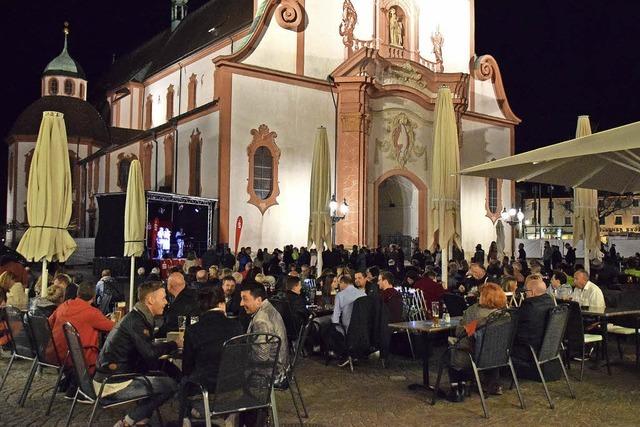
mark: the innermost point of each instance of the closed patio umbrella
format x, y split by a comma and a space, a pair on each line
135, 214
320, 195
49, 204
445, 181
586, 225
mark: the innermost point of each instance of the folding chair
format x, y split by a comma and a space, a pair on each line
22, 346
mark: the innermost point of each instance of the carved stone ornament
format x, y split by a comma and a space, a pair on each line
406, 75
263, 137
401, 144
348, 24
290, 15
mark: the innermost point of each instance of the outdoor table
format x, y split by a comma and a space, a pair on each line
425, 328
603, 315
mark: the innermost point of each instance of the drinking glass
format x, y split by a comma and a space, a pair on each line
435, 312
182, 323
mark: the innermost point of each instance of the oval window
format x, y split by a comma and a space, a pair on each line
262, 172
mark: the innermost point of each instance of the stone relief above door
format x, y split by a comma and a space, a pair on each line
400, 143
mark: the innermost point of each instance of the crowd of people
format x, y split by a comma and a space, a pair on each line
263, 292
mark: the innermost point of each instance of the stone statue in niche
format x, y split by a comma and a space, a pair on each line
395, 28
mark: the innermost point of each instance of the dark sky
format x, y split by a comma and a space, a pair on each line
558, 58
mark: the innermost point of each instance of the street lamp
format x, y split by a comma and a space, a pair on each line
511, 216
338, 213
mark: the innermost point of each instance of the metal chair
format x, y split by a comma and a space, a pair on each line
576, 339
46, 352
85, 382
21, 346
246, 377
291, 377
456, 304
624, 327
550, 348
492, 350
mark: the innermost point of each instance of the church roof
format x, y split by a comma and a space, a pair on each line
213, 21
81, 119
64, 64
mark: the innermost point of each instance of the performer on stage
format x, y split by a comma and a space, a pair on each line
180, 241
166, 242
160, 241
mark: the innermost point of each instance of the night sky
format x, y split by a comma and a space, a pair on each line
558, 58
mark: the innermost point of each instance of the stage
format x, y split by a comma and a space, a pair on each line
175, 212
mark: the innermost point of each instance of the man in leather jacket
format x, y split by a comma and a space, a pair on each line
129, 348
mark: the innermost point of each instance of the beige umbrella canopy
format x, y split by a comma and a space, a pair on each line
49, 204
135, 214
607, 160
445, 181
320, 195
585, 208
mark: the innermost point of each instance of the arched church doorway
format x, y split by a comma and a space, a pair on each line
398, 212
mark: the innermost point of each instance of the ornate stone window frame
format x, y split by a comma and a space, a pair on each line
493, 216
170, 93
148, 110
263, 137
191, 92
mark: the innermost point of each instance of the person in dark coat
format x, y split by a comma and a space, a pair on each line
478, 257
209, 258
390, 296
184, 302
231, 295
203, 344
532, 319
570, 255
297, 303
228, 261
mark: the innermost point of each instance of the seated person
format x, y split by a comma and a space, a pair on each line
45, 306
130, 348
558, 286
372, 280
202, 279
203, 344
532, 319
184, 302
492, 298
231, 295
265, 319
431, 290
5, 339
297, 304
16, 295
476, 277
390, 296
585, 292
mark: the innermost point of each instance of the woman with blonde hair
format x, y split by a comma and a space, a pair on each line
16, 296
45, 306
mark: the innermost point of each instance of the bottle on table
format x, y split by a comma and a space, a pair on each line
446, 318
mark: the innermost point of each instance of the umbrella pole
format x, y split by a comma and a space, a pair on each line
444, 259
131, 275
45, 278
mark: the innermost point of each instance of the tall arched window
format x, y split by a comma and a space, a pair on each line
169, 102
264, 156
53, 86
493, 198
262, 172
68, 87
148, 119
191, 92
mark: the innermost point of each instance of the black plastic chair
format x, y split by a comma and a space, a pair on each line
21, 346
456, 305
550, 348
291, 377
46, 352
576, 339
492, 350
85, 382
246, 377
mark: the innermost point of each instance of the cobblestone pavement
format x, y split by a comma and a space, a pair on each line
372, 396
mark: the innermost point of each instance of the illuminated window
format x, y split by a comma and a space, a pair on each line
617, 220
263, 155
635, 220
53, 87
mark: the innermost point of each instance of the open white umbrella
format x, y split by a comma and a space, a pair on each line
135, 214
445, 180
585, 209
320, 195
607, 160
49, 204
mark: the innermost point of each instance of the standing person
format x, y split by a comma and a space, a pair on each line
21, 273
180, 241
570, 255
391, 298
547, 253
130, 348
478, 256
493, 251
522, 254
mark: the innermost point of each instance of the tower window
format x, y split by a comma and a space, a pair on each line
68, 87
53, 87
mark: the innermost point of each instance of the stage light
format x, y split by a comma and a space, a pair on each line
160, 211
180, 207
197, 210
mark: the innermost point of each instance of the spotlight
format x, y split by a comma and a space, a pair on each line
197, 210
180, 207
160, 211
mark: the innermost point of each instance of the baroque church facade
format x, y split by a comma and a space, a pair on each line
226, 103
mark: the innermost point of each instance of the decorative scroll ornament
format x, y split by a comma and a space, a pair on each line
348, 24
290, 15
401, 144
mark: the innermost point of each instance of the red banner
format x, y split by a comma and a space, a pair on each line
238, 233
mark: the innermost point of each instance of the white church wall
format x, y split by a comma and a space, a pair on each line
21, 182
125, 112
365, 27
482, 142
453, 19
485, 101
323, 47
294, 113
135, 105
276, 50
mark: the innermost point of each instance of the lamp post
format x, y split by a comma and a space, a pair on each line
514, 218
337, 213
